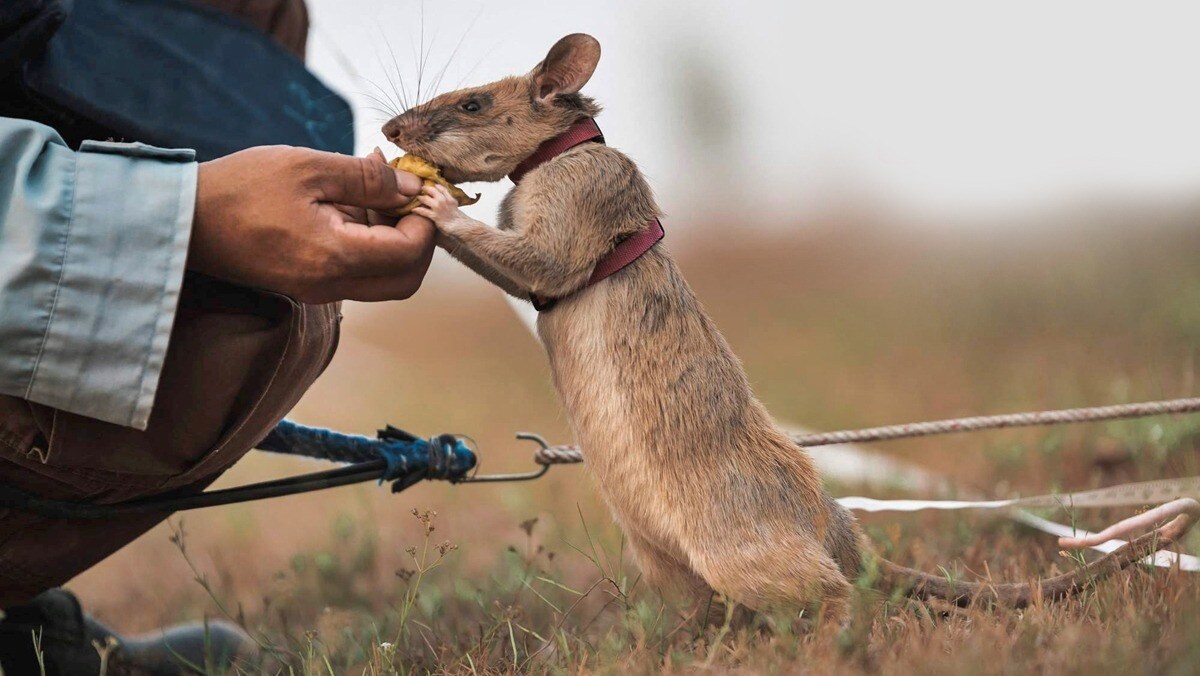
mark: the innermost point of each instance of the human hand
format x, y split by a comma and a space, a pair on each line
297, 221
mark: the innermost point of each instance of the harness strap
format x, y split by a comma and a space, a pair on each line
627, 250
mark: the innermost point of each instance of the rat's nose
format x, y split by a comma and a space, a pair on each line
407, 127
391, 129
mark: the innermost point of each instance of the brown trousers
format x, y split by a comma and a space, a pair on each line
238, 361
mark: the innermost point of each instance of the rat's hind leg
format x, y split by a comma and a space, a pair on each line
662, 571
787, 572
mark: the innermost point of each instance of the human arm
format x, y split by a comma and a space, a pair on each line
94, 243
92, 250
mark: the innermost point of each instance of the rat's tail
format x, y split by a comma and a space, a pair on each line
1185, 511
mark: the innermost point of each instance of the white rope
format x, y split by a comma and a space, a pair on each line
564, 455
993, 422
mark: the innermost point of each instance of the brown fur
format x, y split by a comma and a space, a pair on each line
711, 493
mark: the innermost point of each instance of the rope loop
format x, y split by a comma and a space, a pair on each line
441, 455
558, 455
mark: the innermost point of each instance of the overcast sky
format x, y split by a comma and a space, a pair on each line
932, 106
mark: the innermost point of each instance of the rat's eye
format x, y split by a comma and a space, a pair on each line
471, 106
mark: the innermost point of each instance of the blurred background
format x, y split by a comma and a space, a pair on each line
895, 212
966, 111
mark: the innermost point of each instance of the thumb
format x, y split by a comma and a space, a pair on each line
362, 181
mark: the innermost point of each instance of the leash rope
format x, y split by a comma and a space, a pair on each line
395, 455
440, 457
569, 454
993, 422
405, 459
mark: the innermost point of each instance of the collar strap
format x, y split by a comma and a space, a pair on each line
581, 132
627, 250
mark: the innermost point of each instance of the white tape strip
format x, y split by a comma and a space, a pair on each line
1162, 559
853, 465
1125, 495
873, 505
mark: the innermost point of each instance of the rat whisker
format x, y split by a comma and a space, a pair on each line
391, 100
342, 61
371, 103
388, 114
413, 47
396, 95
347, 66
382, 102
425, 61
454, 52
402, 91
417, 56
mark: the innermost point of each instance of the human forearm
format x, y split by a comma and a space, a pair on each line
92, 251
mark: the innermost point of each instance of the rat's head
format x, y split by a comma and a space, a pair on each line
483, 133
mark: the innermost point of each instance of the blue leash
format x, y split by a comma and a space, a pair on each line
394, 455
440, 457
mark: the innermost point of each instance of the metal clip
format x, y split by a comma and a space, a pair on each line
525, 476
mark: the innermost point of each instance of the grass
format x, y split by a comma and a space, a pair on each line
839, 326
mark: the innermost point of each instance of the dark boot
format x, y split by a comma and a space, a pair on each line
68, 643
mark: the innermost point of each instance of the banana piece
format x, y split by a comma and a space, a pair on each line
430, 175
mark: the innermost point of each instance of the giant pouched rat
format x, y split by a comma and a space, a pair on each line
709, 490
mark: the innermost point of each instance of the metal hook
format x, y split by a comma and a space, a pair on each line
523, 476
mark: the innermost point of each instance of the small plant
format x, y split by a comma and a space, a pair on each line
425, 558
178, 538
37, 650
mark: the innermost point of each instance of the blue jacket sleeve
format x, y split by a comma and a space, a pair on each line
92, 252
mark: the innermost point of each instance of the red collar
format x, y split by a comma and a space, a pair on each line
627, 250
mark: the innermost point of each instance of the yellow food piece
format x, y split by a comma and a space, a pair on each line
430, 175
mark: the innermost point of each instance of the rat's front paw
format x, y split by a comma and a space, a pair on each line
439, 206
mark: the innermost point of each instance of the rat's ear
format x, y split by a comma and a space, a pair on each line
567, 67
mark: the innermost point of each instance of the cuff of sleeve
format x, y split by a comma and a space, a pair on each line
122, 270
